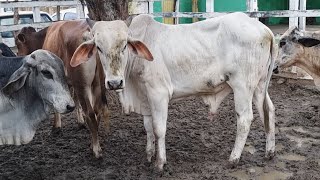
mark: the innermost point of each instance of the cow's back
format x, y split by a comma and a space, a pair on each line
202, 52
64, 37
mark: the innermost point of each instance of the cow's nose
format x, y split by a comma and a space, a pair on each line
70, 108
276, 70
115, 84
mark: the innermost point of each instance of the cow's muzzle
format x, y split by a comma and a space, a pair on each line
115, 84
276, 69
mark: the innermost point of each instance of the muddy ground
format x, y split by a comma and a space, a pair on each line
197, 148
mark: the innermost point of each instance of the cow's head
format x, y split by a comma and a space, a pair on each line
111, 40
292, 46
42, 75
27, 41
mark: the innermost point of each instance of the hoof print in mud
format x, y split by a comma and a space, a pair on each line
81, 126
56, 131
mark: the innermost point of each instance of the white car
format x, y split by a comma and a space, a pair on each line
69, 14
26, 17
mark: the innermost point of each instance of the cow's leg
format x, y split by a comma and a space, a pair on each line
100, 99
80, 119
267, 115
90, 117
159, 109
150, 148
243, 106
270, 128
57, 120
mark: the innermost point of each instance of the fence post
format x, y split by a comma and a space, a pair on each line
302, 20
293, 5
80, 11
177, 8
36, 14
150, 6
58, 13
252, 5
210, 6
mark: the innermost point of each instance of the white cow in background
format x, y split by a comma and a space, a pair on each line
210, 59
31, 87
302, 49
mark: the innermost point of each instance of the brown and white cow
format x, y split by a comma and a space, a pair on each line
209, 59
62, 38
301, 49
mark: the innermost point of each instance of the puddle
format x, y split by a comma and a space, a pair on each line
258, 174
292, 157
274, 175
240, 175
279, 147
251, 149
302, 141
281, 165
255, 170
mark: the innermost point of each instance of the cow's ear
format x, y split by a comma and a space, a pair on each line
83, 53
16, 81
308, 42
21, 38
139, 49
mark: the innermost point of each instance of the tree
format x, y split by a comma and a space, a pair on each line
107, 10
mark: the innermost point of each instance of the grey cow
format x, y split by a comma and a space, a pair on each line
31, 87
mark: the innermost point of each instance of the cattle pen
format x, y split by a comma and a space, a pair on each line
198, 147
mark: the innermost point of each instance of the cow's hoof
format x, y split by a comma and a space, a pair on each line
150, 154
97, 155
269, 155
97, 152
82, 126
233, 163
159, 164
55, 131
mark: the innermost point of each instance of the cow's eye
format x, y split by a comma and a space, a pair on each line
99, 49
47, 74
124, 48
282, 43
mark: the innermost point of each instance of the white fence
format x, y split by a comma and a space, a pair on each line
297, 12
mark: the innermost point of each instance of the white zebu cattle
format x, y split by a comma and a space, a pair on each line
301, 49
31, 87
208, 59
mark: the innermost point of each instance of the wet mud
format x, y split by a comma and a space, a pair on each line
197, 147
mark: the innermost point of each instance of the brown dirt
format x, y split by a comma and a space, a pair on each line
197, 148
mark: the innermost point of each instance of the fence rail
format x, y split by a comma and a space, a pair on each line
38, 4
254, 14
292, 14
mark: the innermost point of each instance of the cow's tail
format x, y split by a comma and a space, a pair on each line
271, 62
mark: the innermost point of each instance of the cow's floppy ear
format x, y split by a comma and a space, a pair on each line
139, 49
90, 22
21, 38
83, 53
19, 77
308, 42
17, 80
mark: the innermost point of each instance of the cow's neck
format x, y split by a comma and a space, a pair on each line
18, 117
310, 62
31, 105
